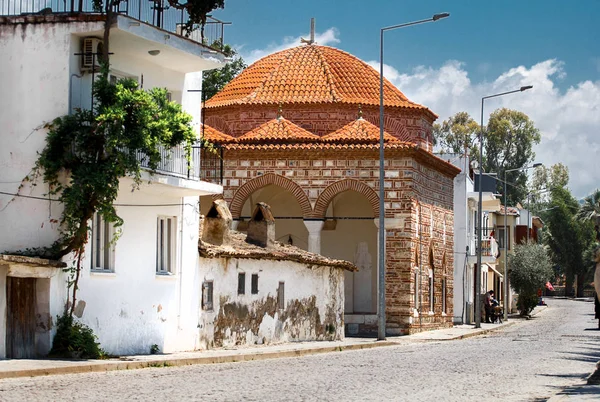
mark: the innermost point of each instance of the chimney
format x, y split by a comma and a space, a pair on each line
215, 228
261, 228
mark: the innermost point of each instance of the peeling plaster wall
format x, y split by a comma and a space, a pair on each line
133, 307
314, 303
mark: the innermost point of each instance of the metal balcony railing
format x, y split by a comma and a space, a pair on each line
489, 245
153, 12
203, 165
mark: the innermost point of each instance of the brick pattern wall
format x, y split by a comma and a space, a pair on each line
417, 195
405, 124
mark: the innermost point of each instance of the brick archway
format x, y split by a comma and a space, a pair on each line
242, 194
341, 186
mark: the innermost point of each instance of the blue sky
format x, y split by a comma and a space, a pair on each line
483, 47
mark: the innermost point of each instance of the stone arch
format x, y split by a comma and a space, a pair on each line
343, 185
242, 194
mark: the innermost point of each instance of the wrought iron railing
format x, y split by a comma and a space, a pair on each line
489, 246
153, 12
204, 164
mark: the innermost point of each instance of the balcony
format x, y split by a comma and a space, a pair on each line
204, 165
489, 245
157, 13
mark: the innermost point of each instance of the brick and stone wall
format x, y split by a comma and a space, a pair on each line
405, 124
418, 205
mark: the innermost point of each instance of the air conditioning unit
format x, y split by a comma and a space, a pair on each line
91, 50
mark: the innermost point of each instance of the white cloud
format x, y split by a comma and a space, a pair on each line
329, 37
569, 120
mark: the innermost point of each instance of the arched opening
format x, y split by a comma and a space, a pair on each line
289, 223
349, 233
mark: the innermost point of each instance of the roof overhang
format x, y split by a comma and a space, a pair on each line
135, 39
489, 201
30, 267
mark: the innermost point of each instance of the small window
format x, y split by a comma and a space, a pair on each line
254, 284
416, 295
281, 296
102, 252
444, 295
500, 237
431, 291
165, 244
241, 283
207, 296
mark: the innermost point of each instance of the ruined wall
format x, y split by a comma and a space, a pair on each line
313, 306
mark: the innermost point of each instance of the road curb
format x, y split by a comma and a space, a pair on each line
177, 362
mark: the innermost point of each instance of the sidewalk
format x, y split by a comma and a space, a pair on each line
32, 368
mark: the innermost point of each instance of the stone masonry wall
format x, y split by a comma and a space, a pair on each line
405, 124
417, 195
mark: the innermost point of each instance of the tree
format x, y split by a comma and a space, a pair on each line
590, 211
197, 12
509, 140
531, 268
214, 80
457, 135
568, 238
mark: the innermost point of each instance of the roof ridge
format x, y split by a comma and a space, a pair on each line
328, 74
290, 53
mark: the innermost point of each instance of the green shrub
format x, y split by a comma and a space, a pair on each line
75, 340
530, 268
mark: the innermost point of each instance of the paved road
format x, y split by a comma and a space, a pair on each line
529, 361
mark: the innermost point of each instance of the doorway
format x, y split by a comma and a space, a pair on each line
20, 317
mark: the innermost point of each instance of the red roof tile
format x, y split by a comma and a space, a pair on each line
359, 130
309, 74
216, 136
278, 130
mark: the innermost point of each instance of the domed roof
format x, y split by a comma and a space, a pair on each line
278, 130
309, 74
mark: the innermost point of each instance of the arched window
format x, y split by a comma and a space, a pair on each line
431, 281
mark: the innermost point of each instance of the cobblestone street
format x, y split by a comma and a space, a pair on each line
530, 360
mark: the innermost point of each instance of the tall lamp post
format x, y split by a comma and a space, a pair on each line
480, 207
381, 251
506, 287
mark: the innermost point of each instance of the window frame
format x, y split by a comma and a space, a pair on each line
241, 284
102, 235
281, 296
166, 261
208, 295
254, 284
500, 238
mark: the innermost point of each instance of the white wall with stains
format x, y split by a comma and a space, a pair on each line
310, 291
131, 308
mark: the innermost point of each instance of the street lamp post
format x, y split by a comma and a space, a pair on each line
480, 208
506, 287
381, 250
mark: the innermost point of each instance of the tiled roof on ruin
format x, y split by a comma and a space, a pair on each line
310, 74
278, 130
358, 131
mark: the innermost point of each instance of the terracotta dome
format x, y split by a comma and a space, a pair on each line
309, 74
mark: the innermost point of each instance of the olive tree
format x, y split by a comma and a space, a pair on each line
531, 269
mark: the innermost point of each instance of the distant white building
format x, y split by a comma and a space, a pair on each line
466, 200
141, 291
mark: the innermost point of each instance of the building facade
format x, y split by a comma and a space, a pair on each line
133, 293
300, 131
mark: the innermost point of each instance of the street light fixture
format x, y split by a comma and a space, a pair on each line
506, 287
381, 249
480, 208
